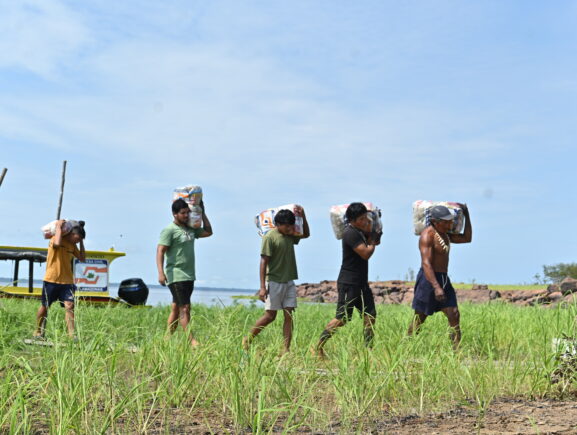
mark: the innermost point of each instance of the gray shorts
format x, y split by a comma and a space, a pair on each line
280, 295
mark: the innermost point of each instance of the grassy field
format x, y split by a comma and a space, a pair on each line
101, 384
502, 287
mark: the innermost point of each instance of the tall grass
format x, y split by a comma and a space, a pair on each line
100, 385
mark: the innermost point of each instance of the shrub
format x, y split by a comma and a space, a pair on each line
557, 272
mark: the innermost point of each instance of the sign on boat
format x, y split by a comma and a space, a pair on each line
90, 277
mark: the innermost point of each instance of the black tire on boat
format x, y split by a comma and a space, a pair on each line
134, 291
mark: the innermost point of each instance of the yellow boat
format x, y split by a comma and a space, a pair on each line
90, 276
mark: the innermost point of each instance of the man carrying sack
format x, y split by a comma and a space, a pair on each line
433, 289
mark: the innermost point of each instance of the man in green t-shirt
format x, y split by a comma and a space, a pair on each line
177, 245
278, 269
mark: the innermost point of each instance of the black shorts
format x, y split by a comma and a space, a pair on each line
424, 300
51, 292
181, 292
355, 296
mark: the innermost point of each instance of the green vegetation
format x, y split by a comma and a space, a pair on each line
99, 385
501, 287
557, 272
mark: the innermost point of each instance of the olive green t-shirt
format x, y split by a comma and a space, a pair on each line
180, 254
282, 265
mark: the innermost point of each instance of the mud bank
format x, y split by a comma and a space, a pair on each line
401, 292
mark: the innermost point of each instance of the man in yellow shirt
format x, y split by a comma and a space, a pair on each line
59, 278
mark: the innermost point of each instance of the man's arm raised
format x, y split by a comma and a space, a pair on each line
364, 251
57, 240
82, 251
467, 235
206, 227
306, 230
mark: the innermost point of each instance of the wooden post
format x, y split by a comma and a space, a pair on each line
61, 189
3, 174
16, 270
30, 276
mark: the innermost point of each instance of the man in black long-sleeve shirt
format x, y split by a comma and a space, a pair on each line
353, 281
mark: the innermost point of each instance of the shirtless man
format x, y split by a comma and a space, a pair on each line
433, 289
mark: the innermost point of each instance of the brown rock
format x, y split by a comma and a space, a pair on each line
331, 296
494, 294
568, 285
398, 292
475, 296
553, 288
555, 296
387, 300
521, 295
395, 298
408, 296
480, 287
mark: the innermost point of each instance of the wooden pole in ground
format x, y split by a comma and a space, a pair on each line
3, 174
61, 189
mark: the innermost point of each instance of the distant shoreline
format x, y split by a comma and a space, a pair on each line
38, 283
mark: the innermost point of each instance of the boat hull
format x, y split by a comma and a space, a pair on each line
21, 293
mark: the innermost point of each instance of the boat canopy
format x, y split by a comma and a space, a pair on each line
37, 257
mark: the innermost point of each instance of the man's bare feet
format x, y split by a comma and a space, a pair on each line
194, 343
246, 342
319, 353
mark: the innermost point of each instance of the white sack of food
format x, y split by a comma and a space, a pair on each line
193, 196
49, 230
422, 218
264, 221
337, 213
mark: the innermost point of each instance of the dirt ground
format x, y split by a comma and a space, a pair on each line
504, 416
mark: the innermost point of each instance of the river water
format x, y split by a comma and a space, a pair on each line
159, 295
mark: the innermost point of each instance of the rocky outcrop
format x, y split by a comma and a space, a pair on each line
400, 292
568, 285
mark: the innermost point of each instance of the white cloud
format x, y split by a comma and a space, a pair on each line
38, 36
261, 107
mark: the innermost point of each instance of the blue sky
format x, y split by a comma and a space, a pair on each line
316, 102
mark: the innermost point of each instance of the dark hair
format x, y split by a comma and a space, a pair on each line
284, 217
355, 210
178, 205
79, 229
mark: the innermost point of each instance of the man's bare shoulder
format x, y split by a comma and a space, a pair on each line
427, 235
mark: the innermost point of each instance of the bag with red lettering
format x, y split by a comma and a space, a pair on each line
264, 221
